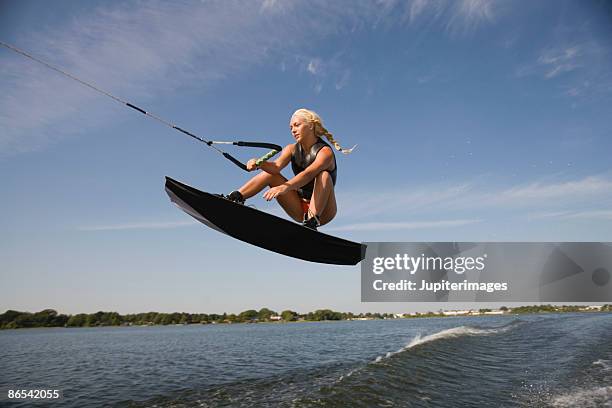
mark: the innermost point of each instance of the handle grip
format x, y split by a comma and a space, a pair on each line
265, 157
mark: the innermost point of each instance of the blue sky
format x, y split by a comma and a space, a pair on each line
475, 120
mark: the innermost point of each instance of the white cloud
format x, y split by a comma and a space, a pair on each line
409, 199
557, 197
594, 214
468, 15
387, 226
561, 200
139, 226
604, 215
269, 5
540, 192
544, 215
325, 71
416, 8
580, 68
425, 79
454, 15
559, 56
314, 66
559, 61
135, 51
343, 79
143, 50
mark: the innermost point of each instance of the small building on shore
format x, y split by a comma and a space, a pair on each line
457, 312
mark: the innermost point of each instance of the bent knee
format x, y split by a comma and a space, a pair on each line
266, 175
272, 179
324, 176
328, 216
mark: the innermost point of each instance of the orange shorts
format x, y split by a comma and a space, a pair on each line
305, 206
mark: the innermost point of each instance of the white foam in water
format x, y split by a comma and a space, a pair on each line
449, 333
604, 364
445, 334
595, 397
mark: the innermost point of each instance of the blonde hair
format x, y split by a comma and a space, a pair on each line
319, 129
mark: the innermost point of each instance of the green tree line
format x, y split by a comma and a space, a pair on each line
555, 309
13, 319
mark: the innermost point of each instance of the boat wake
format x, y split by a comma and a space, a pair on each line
586, 398
524, 363
447, 334
454, 332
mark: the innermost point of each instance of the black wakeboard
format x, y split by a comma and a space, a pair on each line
262, 229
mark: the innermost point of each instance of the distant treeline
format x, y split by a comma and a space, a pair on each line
557, 309
50, 318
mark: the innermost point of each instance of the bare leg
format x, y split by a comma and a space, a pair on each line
290, 201
259, 182
323, 200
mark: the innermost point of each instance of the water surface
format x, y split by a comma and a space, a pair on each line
553, 360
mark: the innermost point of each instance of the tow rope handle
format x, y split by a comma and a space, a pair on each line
275, 149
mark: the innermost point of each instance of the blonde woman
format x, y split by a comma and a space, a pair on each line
308, 197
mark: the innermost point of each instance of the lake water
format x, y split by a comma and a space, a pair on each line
552, 360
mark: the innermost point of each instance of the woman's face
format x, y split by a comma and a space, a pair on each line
300, 128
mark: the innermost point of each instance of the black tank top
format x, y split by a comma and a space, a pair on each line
301, 159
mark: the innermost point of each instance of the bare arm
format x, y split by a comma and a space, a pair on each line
323, 161
274, 167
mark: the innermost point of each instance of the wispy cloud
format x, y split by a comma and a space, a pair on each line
324, 72
467, 15
560, 196
145, 50
318, 70
425, 79
593, 214
417, 7
456, 17
343, 80
388, 226
605, 215
545, 193
546, 214
314, 66
136, 50
560, 200
139, 226
268, 5
580, 68
410, 199
558, 61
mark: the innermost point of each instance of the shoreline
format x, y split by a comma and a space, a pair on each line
215, 323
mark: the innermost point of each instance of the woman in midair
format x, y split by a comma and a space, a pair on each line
308, 197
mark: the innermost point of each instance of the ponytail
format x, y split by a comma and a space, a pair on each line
319, 129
